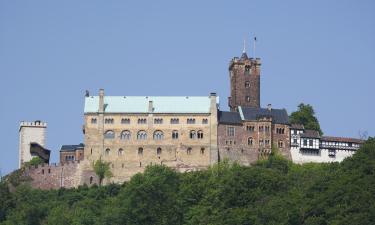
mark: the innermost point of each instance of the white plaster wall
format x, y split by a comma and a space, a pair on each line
322, 157
27, 135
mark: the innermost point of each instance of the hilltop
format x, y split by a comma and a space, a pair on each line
272, 191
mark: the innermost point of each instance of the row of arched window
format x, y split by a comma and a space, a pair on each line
158, 135
120, 152
144, 121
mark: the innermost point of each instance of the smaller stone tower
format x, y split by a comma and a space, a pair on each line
30, 132
244, 76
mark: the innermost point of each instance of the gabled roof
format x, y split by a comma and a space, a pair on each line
297, 126
229, 117
278, 115
342, 139
140, 104
310, 134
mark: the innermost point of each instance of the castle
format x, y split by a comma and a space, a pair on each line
186, 133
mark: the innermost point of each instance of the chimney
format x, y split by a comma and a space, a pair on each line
150, 107
101, 100
269, 107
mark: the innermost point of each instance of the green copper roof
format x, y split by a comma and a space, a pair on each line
139, 104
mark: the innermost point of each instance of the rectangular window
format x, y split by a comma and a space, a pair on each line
230, 131
295, 141
305, 142
310, 142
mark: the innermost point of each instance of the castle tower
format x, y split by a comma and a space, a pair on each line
30, 132
244, 73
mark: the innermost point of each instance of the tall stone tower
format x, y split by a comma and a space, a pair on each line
244, 76
30, 132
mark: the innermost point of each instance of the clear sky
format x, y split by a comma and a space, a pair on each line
318, 52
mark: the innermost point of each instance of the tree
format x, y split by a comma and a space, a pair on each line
102, 170
305, 115
34, 162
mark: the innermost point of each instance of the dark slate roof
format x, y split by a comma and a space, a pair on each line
278, 115
37, 149
244, 56
342, 139
229, 117
297, 126
65, 148
310, 134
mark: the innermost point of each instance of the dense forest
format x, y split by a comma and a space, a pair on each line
273, 191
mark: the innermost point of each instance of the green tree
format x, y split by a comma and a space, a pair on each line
102, 170
34, 162
306, 115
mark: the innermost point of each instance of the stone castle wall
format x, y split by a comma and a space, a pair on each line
54, 176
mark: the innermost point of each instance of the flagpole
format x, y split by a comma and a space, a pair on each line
255, 39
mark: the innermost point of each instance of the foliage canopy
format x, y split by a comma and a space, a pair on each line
305, 115
273, 191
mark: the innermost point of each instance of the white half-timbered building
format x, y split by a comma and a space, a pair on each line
309, 146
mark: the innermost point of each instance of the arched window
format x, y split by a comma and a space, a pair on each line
107, 151
109, 134
141, 135
120, 152
200, 134
250, 141
140, 151
91, 180
175, 134
204, 121
188, 151
193, 134
158, 135
125, 135
202, 151
158, 151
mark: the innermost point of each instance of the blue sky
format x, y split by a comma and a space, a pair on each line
316, 52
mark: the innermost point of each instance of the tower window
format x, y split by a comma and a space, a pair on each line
204, 121
107, 151
247, 68
247, 84
93, 120
281, 144
248, 98
188, 151
202, 151
120, 152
